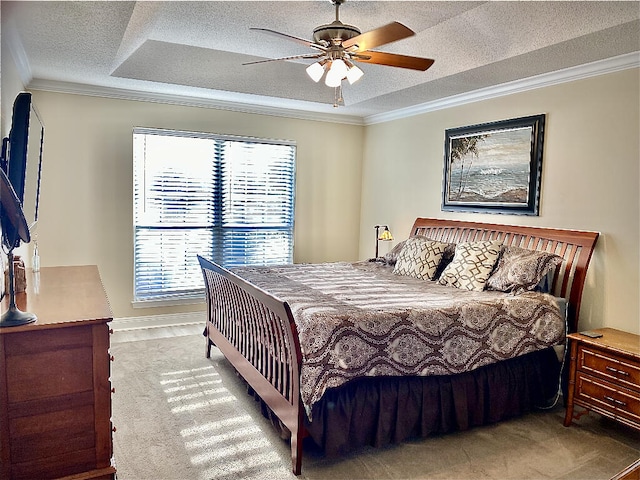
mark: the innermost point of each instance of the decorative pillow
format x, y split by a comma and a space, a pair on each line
419, 258
521, 269
392, 256
471, 265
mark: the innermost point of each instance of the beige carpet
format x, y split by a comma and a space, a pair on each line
181, 416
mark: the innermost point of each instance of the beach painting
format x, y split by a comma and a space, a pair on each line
494, 167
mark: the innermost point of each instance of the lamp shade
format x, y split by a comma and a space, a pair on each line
332, 79
385, 235
338, 68
337, 71
354, 74
315, 71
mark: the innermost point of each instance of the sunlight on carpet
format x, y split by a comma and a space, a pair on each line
233, 446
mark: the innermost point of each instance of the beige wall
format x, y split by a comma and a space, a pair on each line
86, 195
590, 179
386, 173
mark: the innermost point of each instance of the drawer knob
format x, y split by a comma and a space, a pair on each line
113, 390
615, 401
111, 357
615, 370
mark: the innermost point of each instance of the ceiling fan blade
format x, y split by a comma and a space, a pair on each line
394, 60
299, 40
380, 36
293, 57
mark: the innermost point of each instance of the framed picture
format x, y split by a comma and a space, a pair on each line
494, 167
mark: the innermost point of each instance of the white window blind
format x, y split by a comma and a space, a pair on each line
228, 199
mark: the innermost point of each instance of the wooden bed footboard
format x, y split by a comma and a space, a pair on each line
255, 331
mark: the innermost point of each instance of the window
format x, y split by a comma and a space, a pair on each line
228, 199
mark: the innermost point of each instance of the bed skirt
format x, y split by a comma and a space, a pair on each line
380, 411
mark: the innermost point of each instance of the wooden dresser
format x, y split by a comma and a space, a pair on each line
55, 393
604, 376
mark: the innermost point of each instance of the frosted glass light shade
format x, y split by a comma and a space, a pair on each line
339, 68
315, 71
354, 74
332, 80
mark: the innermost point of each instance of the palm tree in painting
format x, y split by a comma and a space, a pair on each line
461, 148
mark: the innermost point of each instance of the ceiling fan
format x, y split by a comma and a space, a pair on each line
339, 45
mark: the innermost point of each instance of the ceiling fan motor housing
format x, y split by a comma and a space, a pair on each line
334, 33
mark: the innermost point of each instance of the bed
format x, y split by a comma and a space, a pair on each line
402, 357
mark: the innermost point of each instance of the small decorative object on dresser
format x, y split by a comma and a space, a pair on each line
605, 375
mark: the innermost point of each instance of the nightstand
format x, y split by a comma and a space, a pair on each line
604, 376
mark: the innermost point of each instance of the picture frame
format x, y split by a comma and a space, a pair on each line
494, 167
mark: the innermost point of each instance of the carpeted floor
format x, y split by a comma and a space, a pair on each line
182, 416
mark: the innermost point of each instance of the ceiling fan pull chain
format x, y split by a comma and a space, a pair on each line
337, 99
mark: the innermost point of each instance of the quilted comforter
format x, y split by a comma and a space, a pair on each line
359, 319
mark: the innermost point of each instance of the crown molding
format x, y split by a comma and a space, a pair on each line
601, 67
194, 101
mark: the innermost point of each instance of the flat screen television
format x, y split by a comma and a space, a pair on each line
22, 163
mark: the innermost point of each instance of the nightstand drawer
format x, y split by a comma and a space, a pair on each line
602, 364
603, 395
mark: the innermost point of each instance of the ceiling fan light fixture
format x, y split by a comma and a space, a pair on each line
332, 80
337, 46
315, 71
354, 74
338, 68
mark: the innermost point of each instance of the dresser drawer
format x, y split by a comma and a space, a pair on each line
609, 398
603, 364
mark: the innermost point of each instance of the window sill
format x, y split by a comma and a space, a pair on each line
169, 301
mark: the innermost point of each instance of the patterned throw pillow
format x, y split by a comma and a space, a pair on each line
392, 257
471, 265
520, 269
419, 258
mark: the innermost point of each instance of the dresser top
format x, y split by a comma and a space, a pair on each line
61, 295
612, 339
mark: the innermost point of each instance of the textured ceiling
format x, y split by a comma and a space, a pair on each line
196, 49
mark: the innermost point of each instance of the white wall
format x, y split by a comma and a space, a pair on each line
86, 193
590, 179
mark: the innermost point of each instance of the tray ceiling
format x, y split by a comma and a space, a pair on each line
196, 49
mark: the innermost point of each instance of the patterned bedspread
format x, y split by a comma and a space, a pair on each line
359, 319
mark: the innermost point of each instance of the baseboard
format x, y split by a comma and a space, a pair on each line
155, 321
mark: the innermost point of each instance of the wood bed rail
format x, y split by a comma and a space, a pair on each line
575, 246
256, 333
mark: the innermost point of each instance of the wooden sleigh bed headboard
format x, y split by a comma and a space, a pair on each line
576, 247
257, 333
